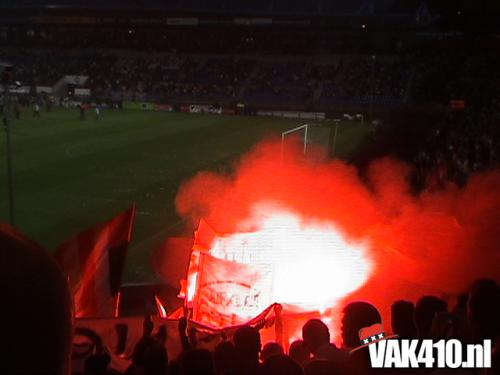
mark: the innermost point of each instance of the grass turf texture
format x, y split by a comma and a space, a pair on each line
70, 174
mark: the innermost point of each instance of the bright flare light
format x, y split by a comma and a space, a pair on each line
312, 266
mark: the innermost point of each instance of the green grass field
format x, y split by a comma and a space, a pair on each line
70, 174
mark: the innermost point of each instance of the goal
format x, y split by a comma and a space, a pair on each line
301, 130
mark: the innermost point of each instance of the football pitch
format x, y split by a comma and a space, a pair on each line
70, 174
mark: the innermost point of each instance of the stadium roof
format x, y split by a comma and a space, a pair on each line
262, 7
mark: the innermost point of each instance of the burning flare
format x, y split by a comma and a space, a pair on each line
310, 264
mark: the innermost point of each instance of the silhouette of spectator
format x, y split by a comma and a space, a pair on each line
323, 367
161, 334
182, 327
147, 326
270, 349
280, 364
461, 303
37, 325
99, 359
402, 319
247, 346
224, 358
483, 309
425, 310
299, 352
445, 326
196, 362
139, 353
97, 364
155, 359
357, 315
461, 328
121, 330
192, 336
495, 360
316, 337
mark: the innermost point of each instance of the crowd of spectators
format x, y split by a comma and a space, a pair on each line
165, 71
226, 39
177, 77
365, 79
41, 342
463, 143
465, 140
282, 82
472, 318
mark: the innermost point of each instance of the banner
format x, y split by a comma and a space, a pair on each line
206, 108
222, 291
43, 89
197, 108
139, 105
163, 107
120, 336
184, 21
93, 261
293, 114
256, 21
229, 293
147, 106
82, 92
75, 79
17, 90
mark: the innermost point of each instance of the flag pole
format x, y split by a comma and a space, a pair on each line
6, 124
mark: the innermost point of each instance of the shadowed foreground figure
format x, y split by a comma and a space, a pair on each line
299, 352
358, 315
247, 347
316, 338
425, 310
280, 364
37, 325
149, 356
324, 367
225, 358
483, 309
402, 319
196, 362
269, 350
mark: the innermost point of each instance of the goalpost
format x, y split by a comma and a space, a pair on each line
303, 127
324, 136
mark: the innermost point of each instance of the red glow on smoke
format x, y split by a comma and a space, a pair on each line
437, 242
308, 265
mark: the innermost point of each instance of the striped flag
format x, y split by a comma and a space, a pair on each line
93, 261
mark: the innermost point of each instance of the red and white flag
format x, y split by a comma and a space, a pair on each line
229, 293
93, 260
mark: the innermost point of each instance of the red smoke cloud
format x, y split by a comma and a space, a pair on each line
435, 243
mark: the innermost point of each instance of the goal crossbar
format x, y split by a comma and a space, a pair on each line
298, 128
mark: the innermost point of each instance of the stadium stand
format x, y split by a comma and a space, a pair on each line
258, 74
318, 56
